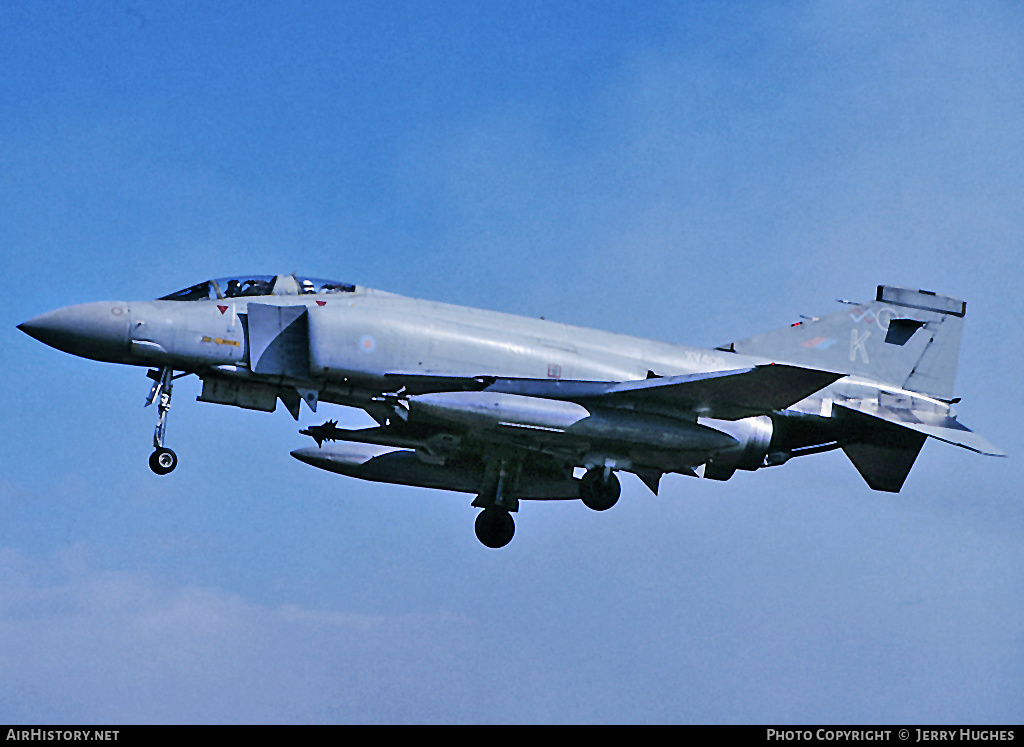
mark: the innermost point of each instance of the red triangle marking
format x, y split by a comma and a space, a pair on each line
222, 308
321, 303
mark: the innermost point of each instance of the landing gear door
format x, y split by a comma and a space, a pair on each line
279, 340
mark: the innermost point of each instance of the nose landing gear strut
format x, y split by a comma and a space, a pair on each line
162, 460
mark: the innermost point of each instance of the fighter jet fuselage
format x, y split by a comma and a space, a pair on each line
507, 407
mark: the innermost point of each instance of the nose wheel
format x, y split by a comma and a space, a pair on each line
163, 460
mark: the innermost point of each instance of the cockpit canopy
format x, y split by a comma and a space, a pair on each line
258, 285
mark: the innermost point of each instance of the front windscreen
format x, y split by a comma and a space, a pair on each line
199, 292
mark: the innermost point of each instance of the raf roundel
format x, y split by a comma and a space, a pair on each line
367, 344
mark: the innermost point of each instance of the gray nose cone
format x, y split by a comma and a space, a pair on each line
91, 330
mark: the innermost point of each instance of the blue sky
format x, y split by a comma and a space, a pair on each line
690, 172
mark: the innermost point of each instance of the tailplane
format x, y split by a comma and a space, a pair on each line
882, 451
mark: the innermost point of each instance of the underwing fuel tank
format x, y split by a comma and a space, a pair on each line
386, 464
400, 466
569, 420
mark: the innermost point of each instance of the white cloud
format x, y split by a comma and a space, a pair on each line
81, 645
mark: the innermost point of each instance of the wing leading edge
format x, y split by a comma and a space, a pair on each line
723, 395
729, 395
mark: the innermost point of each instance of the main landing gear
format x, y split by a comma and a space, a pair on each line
599, 489
163, 460
495, 527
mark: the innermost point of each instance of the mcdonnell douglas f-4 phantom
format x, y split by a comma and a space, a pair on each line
509, 408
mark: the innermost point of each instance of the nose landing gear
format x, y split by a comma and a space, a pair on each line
163, 460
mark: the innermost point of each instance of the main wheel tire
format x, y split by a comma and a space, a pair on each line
494, 527
598, 493
163, 461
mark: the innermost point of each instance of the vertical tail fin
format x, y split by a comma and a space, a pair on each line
906, 338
